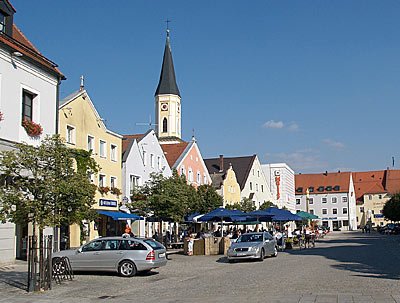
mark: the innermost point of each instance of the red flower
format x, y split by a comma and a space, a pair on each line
33, 129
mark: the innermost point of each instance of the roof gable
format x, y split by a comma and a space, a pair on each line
323, 180
173, 152
240, 165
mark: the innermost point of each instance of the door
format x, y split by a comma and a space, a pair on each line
269, 244
110, 254
88, 258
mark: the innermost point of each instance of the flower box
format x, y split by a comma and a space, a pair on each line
32, 129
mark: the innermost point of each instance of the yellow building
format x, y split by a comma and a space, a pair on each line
226, 185
371, 209
82, 128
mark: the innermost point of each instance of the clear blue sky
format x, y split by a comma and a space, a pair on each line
314, 84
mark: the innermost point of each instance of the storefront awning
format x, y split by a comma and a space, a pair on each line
118, 215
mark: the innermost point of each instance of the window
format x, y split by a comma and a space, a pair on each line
70, 134
253, 172
344, 199
133, 183
258, 173
262, 188
370, 197
159, 162
256, 186
373, 212
2, 22
113, 182
132, 245
297, 211
205, 181
334, 211
298, 201
198, 179
344, 210
311, 211
334, 200
324, 211
345, 222
311, 189
102, 148
299, 189
324, 200
144, 158
90, 177
321, 188
337, 188
183, 172
90, 144
152, 160
380, 196
27, 105
251, 186
92, 246
110, 245
190, 175
328, 188
113, 153
102, 180
165, 125
311, 201
361, 209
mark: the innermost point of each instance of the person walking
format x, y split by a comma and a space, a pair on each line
190, 245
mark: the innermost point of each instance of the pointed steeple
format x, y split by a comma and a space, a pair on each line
167, 84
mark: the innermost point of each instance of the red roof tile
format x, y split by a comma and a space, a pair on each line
127, 139
173, 151
368, 182
305, 181
393, 181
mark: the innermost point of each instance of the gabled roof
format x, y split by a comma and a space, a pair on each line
393, 181
19, 43
240, 165
83, 92
167, 84
325, 180
173, 151
217, 179
128, 140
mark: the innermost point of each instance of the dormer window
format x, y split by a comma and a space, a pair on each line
2, 22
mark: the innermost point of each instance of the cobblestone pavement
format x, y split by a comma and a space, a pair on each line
343, 267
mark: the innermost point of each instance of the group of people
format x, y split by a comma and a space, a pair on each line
366, 228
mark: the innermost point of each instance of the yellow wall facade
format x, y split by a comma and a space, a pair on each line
80, 123
372, 208
231, 193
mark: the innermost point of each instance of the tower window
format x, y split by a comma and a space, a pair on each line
165, 125
2, 22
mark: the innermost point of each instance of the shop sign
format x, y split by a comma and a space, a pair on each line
110, 203
378, 216
330, 218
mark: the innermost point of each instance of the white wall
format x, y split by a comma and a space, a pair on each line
259, 187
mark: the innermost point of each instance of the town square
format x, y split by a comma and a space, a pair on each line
169, 151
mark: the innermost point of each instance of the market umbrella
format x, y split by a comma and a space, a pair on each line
261, 215
282, 214
307, 216
222, 214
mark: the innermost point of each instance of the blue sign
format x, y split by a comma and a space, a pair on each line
378, 216
110, 203
330, 218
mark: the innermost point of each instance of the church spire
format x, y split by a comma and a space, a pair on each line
167, 84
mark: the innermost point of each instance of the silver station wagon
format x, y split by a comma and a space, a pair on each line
255, 245
127, 256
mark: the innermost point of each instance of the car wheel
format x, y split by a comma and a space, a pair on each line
127, 269
275, 254
262, 255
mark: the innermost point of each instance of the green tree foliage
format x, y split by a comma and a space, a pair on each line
246, 205
40, 185
172, 198
209, 198
391, 210
267, 204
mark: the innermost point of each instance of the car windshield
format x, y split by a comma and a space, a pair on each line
155, 245
250, 238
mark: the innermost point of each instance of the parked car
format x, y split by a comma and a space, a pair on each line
255, 245
127, 256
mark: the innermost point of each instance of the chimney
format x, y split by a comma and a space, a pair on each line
221, 163
326, 173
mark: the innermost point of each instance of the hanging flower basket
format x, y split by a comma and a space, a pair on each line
32, 129
104, 189
115, 191
1, 116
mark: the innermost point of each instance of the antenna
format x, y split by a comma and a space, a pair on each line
393, 161
150, 124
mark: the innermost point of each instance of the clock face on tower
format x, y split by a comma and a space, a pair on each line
164, 106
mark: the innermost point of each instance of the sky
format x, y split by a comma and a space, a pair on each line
314, 84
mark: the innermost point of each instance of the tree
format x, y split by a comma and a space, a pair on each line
267, 204
209, 199
246, 205
391, 210
41, 186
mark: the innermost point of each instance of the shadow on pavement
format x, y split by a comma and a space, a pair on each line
14, 279
372, 255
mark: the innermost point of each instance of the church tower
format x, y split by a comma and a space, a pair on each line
168, 101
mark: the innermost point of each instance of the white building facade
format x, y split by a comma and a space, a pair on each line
330, 196
280, 178
142, 155
29, 90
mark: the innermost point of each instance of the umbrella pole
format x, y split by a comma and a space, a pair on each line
222, 227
